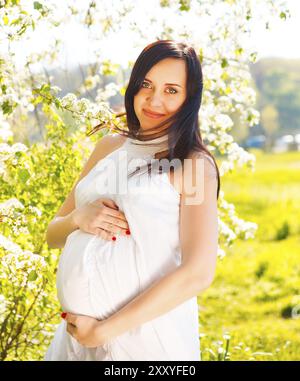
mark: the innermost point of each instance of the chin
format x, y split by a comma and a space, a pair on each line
145, 125
145, 128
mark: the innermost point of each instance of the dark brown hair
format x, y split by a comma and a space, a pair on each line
183, 130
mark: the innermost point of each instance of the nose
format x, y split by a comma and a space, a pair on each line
154, 100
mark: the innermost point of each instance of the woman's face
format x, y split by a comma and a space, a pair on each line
162, 92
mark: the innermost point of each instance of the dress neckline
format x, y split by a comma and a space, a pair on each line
149, 147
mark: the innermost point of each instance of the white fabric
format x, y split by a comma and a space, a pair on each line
96, 277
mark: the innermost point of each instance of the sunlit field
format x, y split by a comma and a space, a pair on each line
255, 296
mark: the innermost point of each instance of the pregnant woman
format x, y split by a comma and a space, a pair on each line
140, 238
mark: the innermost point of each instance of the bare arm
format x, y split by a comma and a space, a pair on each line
64, 222
199, 241
59, 229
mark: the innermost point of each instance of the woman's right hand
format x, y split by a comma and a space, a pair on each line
102, 218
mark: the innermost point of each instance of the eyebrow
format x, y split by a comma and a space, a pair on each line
172, 84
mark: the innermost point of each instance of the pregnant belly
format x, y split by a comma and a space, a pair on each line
96, 277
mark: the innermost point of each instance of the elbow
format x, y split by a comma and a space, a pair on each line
202, 281
200, 271
208, 282
52, 245
50, 242
198, 282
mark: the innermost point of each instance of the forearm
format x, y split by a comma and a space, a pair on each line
164, 295
59, 229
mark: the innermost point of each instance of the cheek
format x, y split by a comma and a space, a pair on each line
174, 104
137, 101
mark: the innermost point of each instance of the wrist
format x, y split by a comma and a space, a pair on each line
104, 332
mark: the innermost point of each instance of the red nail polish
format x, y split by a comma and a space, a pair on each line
128, 231
63, 314
114, 238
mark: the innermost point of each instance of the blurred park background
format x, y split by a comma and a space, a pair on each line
252, 309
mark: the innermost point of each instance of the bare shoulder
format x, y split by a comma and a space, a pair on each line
113, 140
109, 143
196, 164
103, 147
199, 178
205, 161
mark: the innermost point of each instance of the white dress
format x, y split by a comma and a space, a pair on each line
96, 277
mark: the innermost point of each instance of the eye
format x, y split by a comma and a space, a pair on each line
145, 83
175, 91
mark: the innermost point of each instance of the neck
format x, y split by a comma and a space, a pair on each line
144, 136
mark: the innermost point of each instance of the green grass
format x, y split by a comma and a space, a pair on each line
257, 284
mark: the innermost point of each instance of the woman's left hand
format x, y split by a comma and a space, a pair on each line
86, 330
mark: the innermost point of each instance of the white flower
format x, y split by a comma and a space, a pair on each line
5, 148
35, 210
226, 336
68, 100
5, 130
224, 121
19, 147
221, 253
11, 203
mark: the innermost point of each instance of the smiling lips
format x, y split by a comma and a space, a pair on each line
152, 115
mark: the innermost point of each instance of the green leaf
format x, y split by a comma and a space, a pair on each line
239, 51
48, 258
18, 154
57, 103
37, 100
15, 21
32, 275
37, 5
45, 87
185, 5
5, 20
282, 15
6, 108
23, 175
224, 62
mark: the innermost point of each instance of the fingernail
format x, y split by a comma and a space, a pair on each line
114, 238
127, 231
63, 314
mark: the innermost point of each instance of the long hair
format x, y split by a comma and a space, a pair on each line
183, 130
